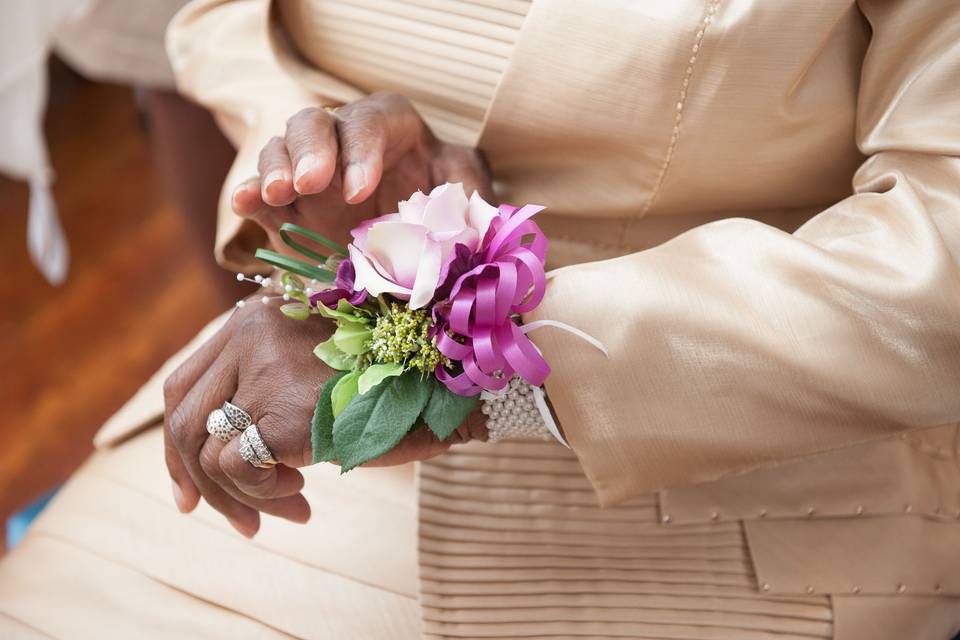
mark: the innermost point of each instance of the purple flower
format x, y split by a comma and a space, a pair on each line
405, 254
343, 289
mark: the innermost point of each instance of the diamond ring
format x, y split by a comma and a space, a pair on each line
254, 450
238, 418
220, 427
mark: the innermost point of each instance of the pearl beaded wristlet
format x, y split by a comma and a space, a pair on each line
519, 411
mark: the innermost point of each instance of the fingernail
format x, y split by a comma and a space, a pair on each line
236, 192
307, 163
277, 175
178, 498
354, 180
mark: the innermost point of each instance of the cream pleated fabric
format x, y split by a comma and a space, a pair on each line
513, 544
446, 56
755, 206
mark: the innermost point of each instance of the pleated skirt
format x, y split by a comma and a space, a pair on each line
512, 544
507, 540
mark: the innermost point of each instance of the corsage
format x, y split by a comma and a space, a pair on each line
427, 303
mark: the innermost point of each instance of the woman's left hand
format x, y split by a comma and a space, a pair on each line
264, 364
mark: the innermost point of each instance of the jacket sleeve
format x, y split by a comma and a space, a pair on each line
736, 345
223, 57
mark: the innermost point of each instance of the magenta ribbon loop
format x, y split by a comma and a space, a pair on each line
483, 302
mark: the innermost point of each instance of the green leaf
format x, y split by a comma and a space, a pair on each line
446, 410
377, 373
352, 337
288, 228
295, 310
292, 281
376, 421
345, 312
294, 265
330, 353
321, 427
344, 392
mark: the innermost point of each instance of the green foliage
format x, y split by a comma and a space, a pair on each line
352, 337
377, 373
292, 281
374, 422
334, 358
446, 410
344, 392
288, 229
295, 310
345, 312
295, 265
321, 427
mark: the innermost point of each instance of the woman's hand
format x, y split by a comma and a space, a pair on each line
263, 362
332, 170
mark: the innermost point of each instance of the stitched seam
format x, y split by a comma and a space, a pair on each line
681, 103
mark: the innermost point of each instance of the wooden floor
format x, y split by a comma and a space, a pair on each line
70, 356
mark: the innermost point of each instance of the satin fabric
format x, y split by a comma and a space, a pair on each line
776, 187
755, 205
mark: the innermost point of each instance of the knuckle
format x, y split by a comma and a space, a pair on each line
232, 464
269, 150
362, 132
304, 115
391, 100
262, 484
171, 389
178, 425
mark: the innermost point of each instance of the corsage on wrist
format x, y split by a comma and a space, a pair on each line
427, 304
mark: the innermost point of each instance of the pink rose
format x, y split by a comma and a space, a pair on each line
406, 254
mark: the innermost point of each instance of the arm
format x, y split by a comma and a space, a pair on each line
735, 345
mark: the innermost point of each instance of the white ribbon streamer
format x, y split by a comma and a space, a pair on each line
539, 395
583, 335
540, 399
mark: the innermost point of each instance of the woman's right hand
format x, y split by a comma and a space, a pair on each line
332, 170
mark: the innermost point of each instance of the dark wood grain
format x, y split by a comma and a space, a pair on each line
138, 290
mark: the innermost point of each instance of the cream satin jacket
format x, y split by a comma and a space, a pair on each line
756, 208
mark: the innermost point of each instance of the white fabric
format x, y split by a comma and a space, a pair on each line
26, 30
87, 31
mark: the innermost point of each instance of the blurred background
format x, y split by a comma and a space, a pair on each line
134, 172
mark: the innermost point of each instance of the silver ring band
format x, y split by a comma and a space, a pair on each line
239, 418
220, 427
254, 450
